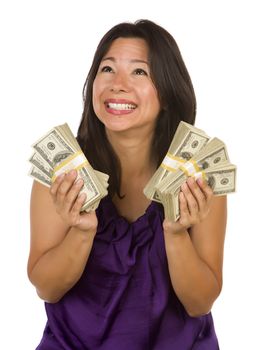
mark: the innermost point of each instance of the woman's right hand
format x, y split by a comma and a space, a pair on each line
68, 202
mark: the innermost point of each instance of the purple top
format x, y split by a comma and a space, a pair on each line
124, 299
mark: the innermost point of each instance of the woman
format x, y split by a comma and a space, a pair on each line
123, 277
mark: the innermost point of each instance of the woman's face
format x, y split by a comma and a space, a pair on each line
124, 96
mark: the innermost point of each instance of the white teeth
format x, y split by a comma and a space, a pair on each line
121, 106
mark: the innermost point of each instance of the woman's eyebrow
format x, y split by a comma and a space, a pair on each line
134, 60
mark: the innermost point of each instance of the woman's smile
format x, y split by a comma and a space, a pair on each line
119, 106
124, 96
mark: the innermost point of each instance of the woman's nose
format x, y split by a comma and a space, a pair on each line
120, 83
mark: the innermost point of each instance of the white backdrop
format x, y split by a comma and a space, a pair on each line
46, 51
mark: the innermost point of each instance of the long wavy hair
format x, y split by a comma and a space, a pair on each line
175, 93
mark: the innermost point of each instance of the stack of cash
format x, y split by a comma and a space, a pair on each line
191, 153
58, 152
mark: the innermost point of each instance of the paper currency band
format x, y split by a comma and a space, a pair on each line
191, 168
75, 161
172, 163
200, 174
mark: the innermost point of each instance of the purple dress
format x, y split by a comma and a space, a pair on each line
124, 299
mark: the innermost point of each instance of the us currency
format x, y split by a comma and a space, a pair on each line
45, 180
40, 176
40, 164
53, 148
212, 157
58, 151
221, 178
212, 154
188, 140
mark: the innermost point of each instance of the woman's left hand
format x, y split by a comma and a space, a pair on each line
194, 201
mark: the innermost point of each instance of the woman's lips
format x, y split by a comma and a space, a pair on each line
119, 106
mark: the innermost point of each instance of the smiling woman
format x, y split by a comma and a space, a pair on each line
123, 277
123, 88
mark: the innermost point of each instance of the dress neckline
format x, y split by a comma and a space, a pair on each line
115, 211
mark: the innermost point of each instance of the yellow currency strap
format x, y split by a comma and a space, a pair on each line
191, 168
171, 162
75, 161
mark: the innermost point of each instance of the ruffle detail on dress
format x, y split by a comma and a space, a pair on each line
123, 240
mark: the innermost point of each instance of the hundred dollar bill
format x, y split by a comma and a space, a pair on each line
188, 140
40, 176
212, 154
58, 151
42, 168
221, 178
42, 165
91, 204
53, 148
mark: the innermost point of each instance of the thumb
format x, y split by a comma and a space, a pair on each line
168, 225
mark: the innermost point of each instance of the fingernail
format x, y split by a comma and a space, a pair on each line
79, 182
72, 172
82, 196
200, 181
190, 180
184, 186
61, 176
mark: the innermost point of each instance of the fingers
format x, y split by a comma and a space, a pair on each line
194, 200
190, 191
185, 217
71, 195
78, 204
68, 201
207, 190
65, 192
54, 187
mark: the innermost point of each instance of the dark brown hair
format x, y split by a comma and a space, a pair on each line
175, 92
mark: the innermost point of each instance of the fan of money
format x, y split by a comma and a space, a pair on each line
191, 153
57, 152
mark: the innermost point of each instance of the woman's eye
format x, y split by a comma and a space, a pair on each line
106, 69
140, 71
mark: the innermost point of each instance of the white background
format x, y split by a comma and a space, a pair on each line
46, 51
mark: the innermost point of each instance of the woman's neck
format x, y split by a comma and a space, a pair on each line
134, 153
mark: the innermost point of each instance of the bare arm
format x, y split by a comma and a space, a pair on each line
195, 260
61, 237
